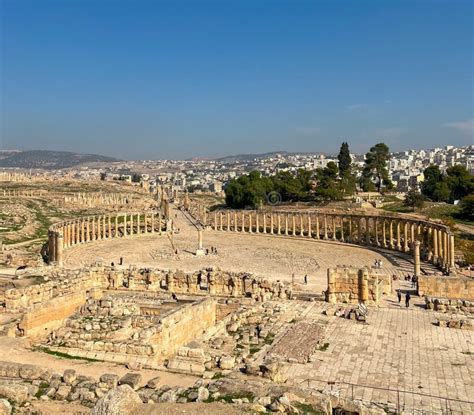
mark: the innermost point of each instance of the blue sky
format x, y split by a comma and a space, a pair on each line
155, 79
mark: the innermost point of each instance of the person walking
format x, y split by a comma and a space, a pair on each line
306, 279
413, 282
399, 295
407, 299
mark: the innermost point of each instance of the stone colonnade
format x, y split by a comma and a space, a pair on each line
430, 241
69, 233
22, 193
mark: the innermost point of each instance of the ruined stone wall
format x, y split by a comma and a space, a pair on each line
447, 287
203, 282
183, 325
41, 319
352, 285
59, 284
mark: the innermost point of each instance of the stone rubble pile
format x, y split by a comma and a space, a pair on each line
449, 305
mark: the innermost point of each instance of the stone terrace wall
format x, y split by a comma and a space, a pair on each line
447, 287
59, 284
41, 319
187, 323
352, 285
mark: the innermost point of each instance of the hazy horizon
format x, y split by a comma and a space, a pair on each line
177, 80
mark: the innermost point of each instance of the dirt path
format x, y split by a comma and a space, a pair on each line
18, 350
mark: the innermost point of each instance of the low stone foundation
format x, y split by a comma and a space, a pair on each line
446, 287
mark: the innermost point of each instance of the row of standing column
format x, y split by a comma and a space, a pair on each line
395, 234
98, 228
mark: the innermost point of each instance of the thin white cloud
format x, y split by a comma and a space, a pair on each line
466, 127
308, 130
357, 107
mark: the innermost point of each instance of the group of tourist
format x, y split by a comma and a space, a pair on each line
378, 263
407, 297
213, 251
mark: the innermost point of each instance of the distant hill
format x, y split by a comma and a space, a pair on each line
43, 159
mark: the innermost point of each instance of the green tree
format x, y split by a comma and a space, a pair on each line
467, 208
433, 177
344, 158
376, 167
414, 199
328, 186
460, 182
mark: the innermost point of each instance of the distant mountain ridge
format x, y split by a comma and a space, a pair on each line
45, 159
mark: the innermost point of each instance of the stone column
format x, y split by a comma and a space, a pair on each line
115, 226
310, 233
342, 228
278, 224
440, 248
215, 221
153, 222
59, 249
317, 227
109, 225
428, 239
78, 232
445, 249
412, 233
391, 233
384, 234
104, 226
88, 235
228, 221
376, 231
160, 232
286, 223
82, 232
124, 225
132, 230
434, 235
416, 258
220, 221
257, 224
200, 250
293, 223
236, 227
301, 225
363, 286
367, 231
264, 222
139, 231
325, 227
399, 245
451, 251
50, 247
405, 236
243, 221
250, 223
334, 228
145, 222
272, 223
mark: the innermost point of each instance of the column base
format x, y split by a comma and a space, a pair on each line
199, 252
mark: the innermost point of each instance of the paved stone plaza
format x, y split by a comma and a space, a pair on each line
398, 349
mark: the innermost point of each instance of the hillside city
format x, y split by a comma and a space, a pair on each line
405, 168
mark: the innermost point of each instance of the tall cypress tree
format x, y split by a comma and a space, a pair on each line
344, 158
